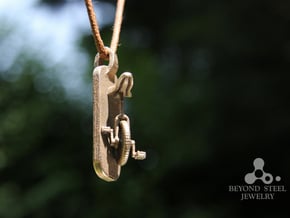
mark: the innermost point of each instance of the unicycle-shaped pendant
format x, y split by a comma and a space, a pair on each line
112, 141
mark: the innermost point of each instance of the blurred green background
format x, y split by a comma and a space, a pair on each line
211, 94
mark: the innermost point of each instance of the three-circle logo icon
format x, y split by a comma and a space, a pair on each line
260, 174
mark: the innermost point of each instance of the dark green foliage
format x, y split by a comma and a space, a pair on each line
211, 94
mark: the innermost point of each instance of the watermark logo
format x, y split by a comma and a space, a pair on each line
258, 192
260, 174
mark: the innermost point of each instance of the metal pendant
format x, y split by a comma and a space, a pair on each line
112, 141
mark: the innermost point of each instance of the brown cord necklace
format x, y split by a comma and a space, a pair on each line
112, 141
